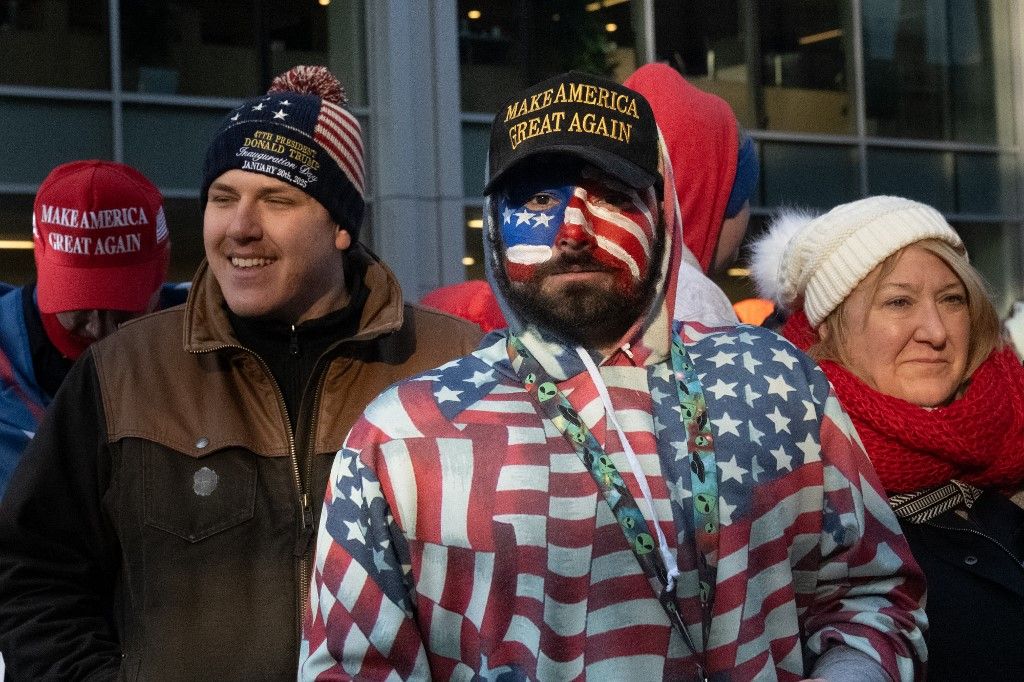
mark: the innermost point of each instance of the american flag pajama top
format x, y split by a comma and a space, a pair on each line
462, 537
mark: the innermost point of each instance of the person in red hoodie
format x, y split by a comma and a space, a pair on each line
717, 171
471, 300
714, 159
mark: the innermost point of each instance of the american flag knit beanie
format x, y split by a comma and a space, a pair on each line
301, 133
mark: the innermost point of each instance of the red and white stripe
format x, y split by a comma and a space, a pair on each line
338, 132
616, 233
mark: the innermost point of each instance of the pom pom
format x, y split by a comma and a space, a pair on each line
311, 80
768, 251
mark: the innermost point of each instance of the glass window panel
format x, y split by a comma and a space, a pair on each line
16, 262
168, 145
476, 138
504, 46
43, 134
55, 43
474, 260
939, 69
234, 47
790, 72
987, 184
926, 176
813, 176
994, 249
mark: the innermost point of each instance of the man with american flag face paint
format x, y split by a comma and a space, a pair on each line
581, 251
601, 491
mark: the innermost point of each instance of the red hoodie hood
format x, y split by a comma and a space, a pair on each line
702, 136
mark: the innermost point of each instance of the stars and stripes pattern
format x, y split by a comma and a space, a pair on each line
340, 134
463, 537
334, 128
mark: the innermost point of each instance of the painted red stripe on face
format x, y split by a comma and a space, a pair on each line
622, 235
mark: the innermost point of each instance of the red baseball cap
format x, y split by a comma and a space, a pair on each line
101, 240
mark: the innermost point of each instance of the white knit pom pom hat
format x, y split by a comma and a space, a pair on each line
821, 260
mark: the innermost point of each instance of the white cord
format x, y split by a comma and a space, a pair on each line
634, 464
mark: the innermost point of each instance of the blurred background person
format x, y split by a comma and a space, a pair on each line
884, 298
715, 161
471, 300
754, 311
101, 249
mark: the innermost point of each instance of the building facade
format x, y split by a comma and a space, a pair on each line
844, 98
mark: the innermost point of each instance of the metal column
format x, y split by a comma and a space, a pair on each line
414, 145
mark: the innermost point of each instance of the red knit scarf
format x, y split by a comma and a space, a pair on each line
978, 438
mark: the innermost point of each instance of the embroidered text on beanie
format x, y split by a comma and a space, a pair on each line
301, 133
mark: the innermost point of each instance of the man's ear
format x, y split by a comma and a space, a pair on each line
342, 239
823, 331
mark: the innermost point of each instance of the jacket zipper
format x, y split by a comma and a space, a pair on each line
307, 509
1000, 545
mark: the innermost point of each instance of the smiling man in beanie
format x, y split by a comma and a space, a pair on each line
600, 492
161, 525
101, 249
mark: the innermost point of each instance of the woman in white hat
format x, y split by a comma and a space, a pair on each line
882, 295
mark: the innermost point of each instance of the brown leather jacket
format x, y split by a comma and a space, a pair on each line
169, 474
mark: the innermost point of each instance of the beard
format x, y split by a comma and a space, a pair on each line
591, 314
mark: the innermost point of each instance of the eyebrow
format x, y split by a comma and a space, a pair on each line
593, 173
278, 191
955, 284
261, 194
222, 187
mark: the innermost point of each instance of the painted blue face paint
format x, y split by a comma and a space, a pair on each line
528, 227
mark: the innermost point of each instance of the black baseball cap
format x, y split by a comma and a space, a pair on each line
586, 116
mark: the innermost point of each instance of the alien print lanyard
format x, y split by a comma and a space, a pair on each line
703, 474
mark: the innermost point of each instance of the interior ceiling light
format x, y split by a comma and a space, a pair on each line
611, 28
469, 260
16, 244
738, 272
323, 3
818, 37
475, 223
474, 14
595, 6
